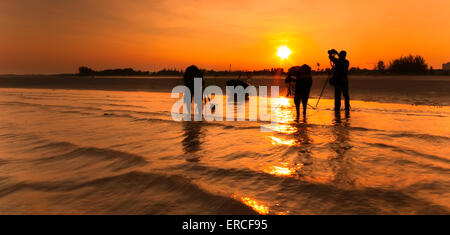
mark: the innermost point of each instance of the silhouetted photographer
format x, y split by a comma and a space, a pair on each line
302, 77
339, 78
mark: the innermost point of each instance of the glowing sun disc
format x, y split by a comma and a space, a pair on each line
283, 52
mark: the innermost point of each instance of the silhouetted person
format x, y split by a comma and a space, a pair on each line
339, 79
189, 75
303, 82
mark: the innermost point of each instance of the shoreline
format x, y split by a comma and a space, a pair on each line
418, 90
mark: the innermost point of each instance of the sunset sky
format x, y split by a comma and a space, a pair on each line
52, 36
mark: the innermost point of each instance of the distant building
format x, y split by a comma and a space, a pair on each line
446, 66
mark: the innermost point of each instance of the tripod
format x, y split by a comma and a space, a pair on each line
326, 82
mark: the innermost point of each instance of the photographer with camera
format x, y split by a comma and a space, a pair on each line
339, 78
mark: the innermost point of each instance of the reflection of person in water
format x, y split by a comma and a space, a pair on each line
341, 164
301, 135
341, 134
192, 140
304, 143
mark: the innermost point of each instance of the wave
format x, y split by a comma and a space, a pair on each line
186, 195
227, 125
418, 136
118, 105
328, 196
410, 152
423, 165
59, 144
120, 160
82, 109
3, 162
49, 106
223, 124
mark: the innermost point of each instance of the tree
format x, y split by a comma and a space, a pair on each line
408, 65
84, 71
381, 66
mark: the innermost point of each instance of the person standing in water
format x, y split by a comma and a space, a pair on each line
190, 73
339, 79
303, 81
189, 76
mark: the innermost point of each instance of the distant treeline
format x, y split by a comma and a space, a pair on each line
85, 71
405, 65
271, 71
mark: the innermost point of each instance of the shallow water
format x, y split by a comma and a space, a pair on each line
80, 151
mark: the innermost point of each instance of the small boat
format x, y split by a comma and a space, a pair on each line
235, 82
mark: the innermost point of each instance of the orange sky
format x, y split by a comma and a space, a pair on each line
52, 36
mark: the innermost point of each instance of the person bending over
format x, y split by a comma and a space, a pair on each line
303, 81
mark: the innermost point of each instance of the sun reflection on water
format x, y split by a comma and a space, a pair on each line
278, 170
280, 141
255, 205
283, 170
282, 128
284, 101
283, 116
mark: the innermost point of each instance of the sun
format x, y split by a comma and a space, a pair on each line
283, 52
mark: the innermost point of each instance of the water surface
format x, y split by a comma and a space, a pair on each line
88, 151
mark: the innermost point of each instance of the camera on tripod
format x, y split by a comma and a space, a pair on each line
332, 52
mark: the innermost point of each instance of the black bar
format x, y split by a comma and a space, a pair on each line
295, 224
